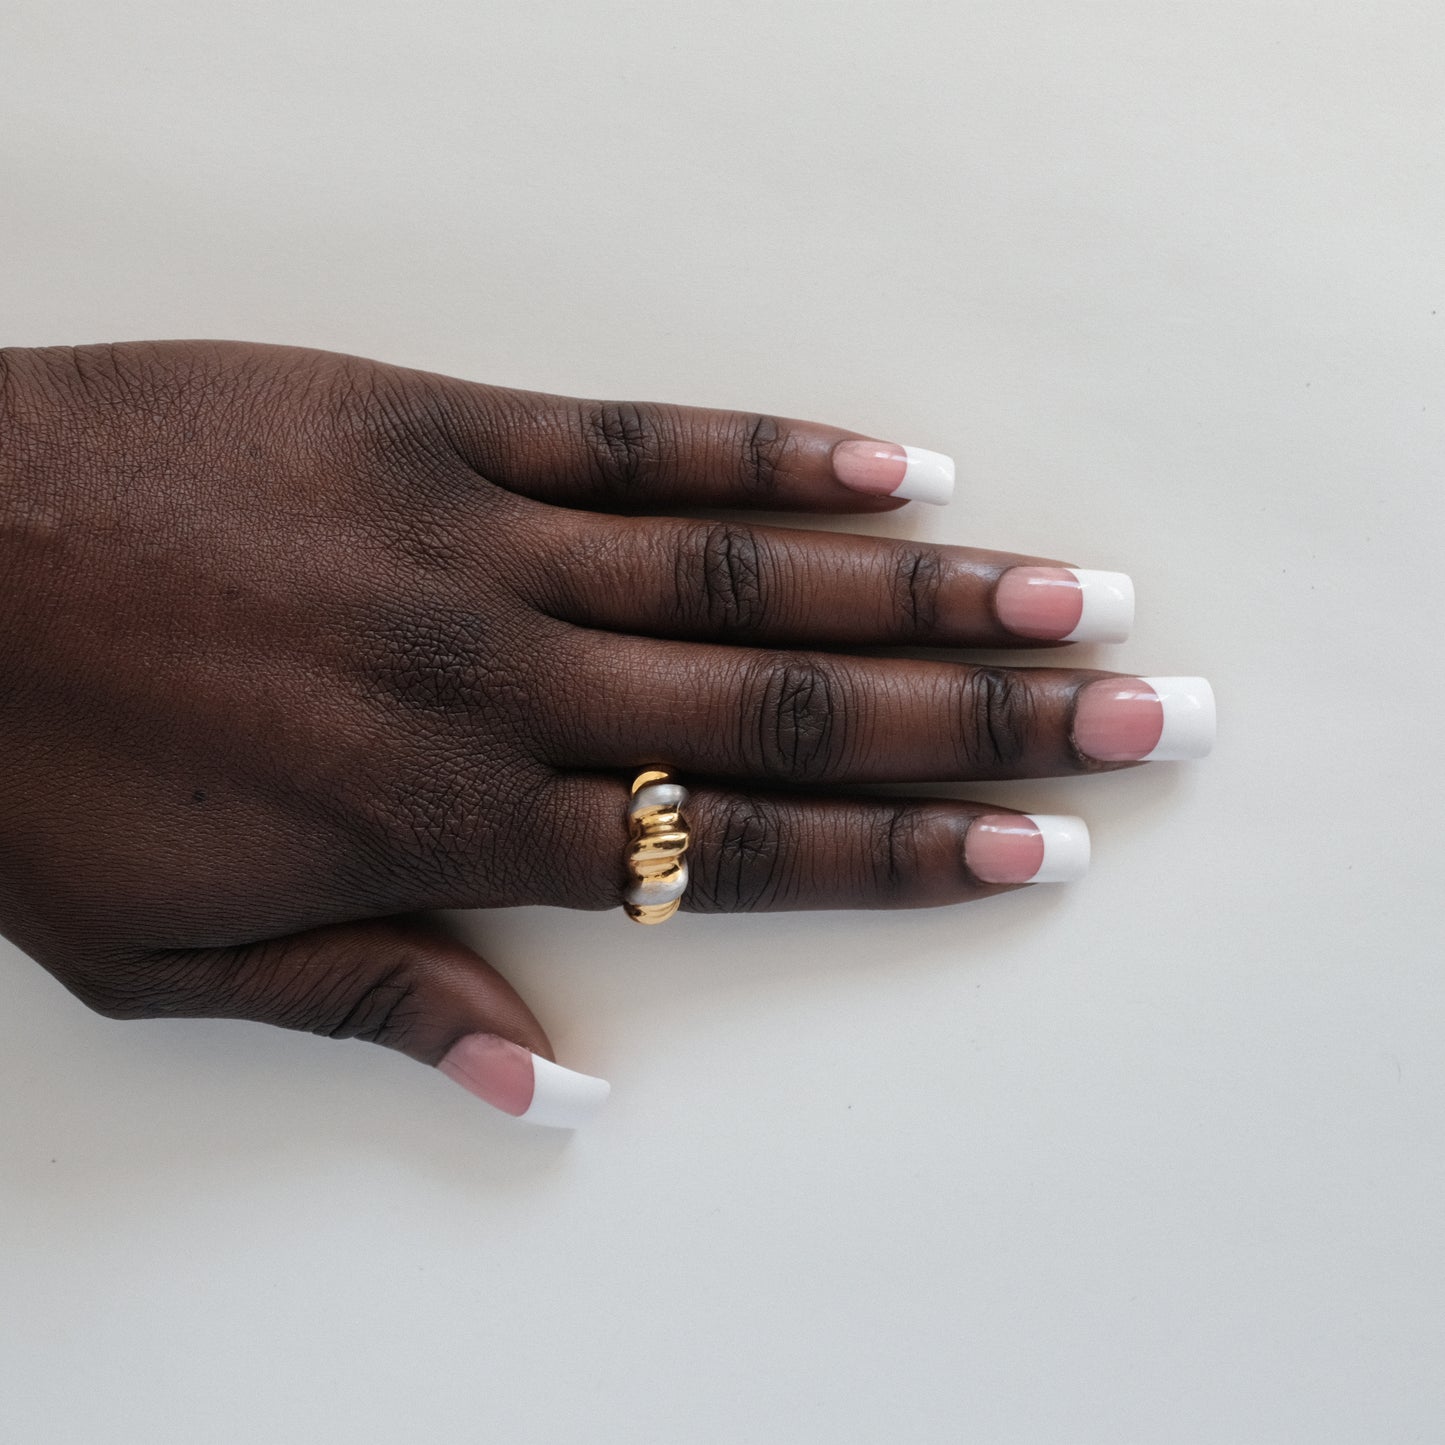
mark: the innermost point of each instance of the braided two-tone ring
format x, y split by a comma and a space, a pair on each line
657, 839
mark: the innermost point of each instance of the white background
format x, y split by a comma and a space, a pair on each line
1155, 1157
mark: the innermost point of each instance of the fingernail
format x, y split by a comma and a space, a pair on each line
1145, 719
523, 1084
1027, 848
892, 471
1065, 604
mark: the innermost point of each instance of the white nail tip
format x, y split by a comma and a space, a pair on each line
563, 1098
1066, 847
927, 478
1189, 720
1108, 607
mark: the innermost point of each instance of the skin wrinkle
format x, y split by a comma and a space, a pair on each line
372, 1014
726, 568
900, 863
992, 719
799, 729
743, 870
624, 447
920, 576
302, 644
762, 457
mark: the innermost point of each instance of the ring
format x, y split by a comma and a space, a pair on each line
657, 839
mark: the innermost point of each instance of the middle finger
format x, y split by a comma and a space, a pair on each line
818, 717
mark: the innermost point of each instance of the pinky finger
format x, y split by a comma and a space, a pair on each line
776, 852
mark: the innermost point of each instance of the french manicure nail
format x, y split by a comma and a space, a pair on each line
523, 1084
1145, 719
893, 471
1027, 848
1065, 604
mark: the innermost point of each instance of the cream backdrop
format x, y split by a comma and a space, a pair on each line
1154, 1157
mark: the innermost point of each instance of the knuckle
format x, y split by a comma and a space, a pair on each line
436, 658
762, 454
742, 866
302, 983
382, 1009
917, 578
624, 446
995, 719
720, 578
793, 719
894, 854
391, 417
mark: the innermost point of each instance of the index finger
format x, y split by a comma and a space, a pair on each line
645, 456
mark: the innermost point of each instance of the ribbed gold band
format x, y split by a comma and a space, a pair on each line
657, 839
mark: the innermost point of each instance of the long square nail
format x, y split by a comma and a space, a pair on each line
886, 470
1065, 604
1026, 848
1145, 719
523, 1084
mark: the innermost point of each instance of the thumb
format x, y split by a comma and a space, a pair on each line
396, 982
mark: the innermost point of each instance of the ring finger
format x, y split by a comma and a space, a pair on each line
760, 851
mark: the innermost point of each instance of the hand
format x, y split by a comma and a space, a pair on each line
297, 646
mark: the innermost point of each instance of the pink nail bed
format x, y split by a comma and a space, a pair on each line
494, 1069
870, 466
1026, 848
885, 470
1145, 719
521, 1083
1065, 604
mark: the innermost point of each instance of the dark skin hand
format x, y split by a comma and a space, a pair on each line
297, 646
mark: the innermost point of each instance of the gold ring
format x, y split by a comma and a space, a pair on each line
657, 839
